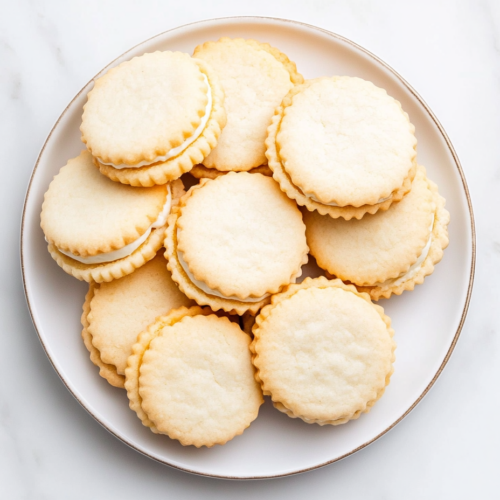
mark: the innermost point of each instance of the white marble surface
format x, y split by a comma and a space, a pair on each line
448, 447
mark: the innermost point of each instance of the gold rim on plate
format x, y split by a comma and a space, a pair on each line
464, 185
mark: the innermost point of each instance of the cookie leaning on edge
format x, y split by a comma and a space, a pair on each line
255, 78
115, 313
150, 119
388, 252
341, 146
99, 230
233, 241
191, 377
323, 351
106, 371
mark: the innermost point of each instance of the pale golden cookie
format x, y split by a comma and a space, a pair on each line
120, 310
255, 78
106, 371
190, 377
234, 241
99, 230
150, 119
341, 146
388, 252
202, 172
323, 351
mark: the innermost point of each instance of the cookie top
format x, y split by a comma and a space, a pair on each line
191, 377
345, 142
323, 351
240, 235
143, 108
86, 214
123, 308
378, 247
255, 78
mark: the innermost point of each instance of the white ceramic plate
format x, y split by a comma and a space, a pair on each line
427, 321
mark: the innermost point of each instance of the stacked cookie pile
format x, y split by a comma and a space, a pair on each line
197, 304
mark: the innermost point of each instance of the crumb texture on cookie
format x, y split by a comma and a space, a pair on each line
179, 275
323, 351
143, 108
255, 78
190, 377
123, 308
241, 235
343, 140
162, 172
335, 210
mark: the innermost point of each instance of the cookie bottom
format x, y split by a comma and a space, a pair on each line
109, 271
282, 408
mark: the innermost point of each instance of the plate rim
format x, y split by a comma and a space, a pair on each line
458, 165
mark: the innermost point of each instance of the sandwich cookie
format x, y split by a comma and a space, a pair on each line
388, 252
202, 172
191, 377
152, 118
255, 78
323, 351
99, 230
342, 146
115, 313
234, 241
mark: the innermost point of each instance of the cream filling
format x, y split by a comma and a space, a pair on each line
203, 286
131, 247
415, 267
179, 149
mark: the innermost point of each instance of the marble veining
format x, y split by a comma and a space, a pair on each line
448, 447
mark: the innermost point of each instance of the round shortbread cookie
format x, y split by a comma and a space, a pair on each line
100, 230
342, 146
150, 119
202, 172
388, 252
255, 78
191, 377
323, 351
233, 241
120, 310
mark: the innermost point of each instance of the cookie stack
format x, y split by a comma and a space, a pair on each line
196, 303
